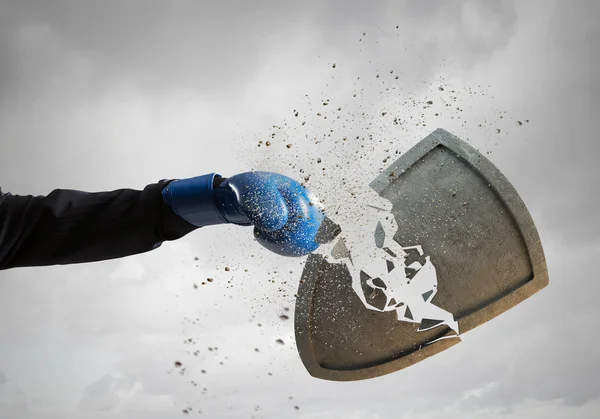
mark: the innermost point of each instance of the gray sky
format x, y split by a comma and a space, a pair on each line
105, 95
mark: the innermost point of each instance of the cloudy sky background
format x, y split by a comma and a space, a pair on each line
105, 95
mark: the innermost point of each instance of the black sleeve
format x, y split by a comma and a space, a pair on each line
69, 226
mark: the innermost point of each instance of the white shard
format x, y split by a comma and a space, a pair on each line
367, 232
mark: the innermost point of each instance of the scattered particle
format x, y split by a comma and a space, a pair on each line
279, 341
325, 103
429, 102
383, 113
284, 317
333, 66
519, 123
297, 407
227, 269
268, 143
289, 146
210, 279
319, 160
441, 89
177, 364
497, 131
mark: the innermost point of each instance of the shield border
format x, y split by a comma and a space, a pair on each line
524, 223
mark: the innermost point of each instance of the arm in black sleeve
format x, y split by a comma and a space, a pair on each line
69, 226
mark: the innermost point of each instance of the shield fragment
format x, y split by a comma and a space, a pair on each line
477, 232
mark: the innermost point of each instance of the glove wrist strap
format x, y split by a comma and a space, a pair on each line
193, 200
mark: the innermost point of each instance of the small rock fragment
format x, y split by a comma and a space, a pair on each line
289, 146
279, 341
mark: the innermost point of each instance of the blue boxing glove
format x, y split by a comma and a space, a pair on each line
285, 215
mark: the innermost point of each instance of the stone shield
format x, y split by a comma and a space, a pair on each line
479, 235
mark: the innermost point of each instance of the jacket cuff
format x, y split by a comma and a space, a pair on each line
171, 226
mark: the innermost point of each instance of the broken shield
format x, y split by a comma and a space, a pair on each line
476, 232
